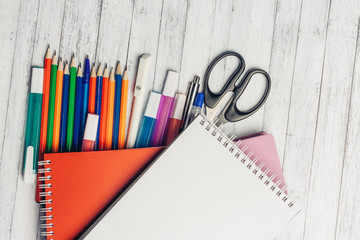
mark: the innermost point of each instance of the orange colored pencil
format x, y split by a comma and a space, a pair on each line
110, 111
103, 115
92, 91
57, 112
123, 105
45, 103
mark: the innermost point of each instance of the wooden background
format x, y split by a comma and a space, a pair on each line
309, 47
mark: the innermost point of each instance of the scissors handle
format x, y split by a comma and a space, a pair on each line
211, 98
230, 112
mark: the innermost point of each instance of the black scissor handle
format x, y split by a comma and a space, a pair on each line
212, 99
231, 113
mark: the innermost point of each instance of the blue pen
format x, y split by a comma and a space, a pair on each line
77, 140
64, 109
196, 107
118, 83
148, 121
98, 92
85, 95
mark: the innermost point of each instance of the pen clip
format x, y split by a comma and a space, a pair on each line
29, 175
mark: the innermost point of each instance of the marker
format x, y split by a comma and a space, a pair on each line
110, 111
118, 78
123, 107
191, 94
85, 95
90, 132
71, 109
50, 127
64, 109
196, 107
173, 127
140, 92
103, 116
92, 90
148, 121
165, 108
33, 122
99, 82
45, 103
77, 115
57, 111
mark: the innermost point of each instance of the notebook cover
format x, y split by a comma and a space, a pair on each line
197, 189
83, 183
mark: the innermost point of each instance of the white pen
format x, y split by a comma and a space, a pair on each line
140, 92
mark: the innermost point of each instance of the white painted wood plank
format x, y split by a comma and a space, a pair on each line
303, 108
8, 25
170, 46
332, 119
12, 152
143, 39
281, 70
114, 32
251, 34
80, 29
197, 42
348, 219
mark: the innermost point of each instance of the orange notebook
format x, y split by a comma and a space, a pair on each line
75, 187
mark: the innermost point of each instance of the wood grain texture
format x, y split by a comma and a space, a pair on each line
310, 48
332, 117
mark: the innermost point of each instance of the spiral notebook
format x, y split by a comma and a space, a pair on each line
201, 187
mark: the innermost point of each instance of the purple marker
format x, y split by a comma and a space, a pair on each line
165, 108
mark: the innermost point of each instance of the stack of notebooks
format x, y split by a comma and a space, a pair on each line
203, 186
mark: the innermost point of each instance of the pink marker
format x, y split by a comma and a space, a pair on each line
165, 108
90, 132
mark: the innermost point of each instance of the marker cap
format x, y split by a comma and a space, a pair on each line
199, 100
152, 105
91, 127
179, 106
37, 77
142, 74
171, 84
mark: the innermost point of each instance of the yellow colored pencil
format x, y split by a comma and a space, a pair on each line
57, 111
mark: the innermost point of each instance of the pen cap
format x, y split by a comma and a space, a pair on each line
171, 84
152, 105
37, 77
179, 106
91, 127
142, 73
199, 100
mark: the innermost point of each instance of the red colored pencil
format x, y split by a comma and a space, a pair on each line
92, 91
103, 115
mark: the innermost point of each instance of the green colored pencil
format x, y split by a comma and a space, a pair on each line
50, 128
72, 91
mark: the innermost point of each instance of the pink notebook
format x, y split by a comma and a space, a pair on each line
263, 146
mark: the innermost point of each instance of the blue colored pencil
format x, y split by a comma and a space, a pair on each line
118, 81
77, 116
98, 93
85, 95
64, 109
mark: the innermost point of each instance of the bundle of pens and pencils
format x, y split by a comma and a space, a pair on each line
83, 109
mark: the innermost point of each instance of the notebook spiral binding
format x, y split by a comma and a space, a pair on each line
44, 178
289, 198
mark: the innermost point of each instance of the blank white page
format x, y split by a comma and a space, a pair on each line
197, 189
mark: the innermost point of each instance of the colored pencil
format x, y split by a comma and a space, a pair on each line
110, 111
104, 97
77, 116
92, 90
50, 127
64, 109
118, 78
71, 109
99, 80
123, 105
57, 111
45, 103
85, 95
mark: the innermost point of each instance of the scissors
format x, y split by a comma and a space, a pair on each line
231, 113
